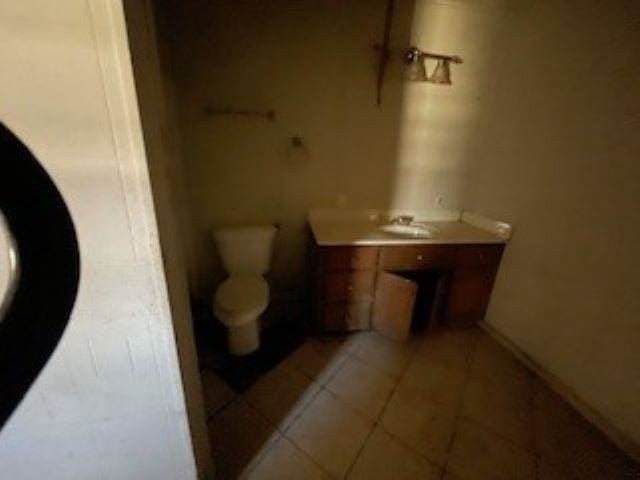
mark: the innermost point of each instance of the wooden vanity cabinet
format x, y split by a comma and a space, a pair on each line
393, 306
363, 287
344, 283
471, 283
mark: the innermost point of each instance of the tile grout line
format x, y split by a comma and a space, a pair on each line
254, 462
284, 433
374, 424
360, 450
411, 448
321, 388
500, 435
308, 457
441, 468
377, 422
469, 360
223, 406
398, 439
306, 405
534, 443
529, 450
283, 430
350, 353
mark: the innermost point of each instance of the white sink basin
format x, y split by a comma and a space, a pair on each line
409, 231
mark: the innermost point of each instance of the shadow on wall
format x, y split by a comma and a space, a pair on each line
314, 64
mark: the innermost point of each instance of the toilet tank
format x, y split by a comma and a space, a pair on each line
246, 249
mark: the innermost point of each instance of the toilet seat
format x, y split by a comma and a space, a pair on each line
241, 296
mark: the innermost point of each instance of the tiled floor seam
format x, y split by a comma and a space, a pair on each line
283, 430
375, 422
498, 434
532, 449
360, 450
408, 446
222, 407
308, 457
335, 371
283, 433
255, 462
378, 423
330, 377
262, 453
534, 444
458, 413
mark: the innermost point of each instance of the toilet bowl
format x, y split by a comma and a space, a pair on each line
244, 296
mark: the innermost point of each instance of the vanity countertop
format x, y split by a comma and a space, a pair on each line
335, 227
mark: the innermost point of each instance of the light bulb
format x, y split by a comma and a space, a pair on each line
441, 74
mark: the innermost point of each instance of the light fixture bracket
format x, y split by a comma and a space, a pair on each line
414, 53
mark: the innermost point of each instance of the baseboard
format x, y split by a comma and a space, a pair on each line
630, 447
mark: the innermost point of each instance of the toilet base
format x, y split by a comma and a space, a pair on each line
243, 339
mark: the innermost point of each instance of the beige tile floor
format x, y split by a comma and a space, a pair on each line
452, 405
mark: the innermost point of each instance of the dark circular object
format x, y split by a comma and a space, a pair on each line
49, 264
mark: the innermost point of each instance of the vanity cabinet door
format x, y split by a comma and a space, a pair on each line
393, 305
468, 296
346, 316
486, 257
348, 285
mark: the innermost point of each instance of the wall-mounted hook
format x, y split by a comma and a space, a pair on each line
297, 150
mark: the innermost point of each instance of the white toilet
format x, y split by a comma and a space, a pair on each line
244, 296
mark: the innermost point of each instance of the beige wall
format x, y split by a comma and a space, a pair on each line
314, 64
110, 402
557, 154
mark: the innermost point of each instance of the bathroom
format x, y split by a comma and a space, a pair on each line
274, 110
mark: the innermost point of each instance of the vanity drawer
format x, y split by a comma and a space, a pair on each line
345, 316
479, 256
343, 285
349, 258
417, 257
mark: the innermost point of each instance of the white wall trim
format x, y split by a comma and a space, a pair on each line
110, 33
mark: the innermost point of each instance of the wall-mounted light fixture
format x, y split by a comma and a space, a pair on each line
416, 71
413, 57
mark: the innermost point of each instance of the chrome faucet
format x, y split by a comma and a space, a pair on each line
401, 219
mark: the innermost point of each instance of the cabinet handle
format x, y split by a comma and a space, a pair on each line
419, 257
350, 288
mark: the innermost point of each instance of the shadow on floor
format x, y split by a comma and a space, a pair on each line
240, 372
